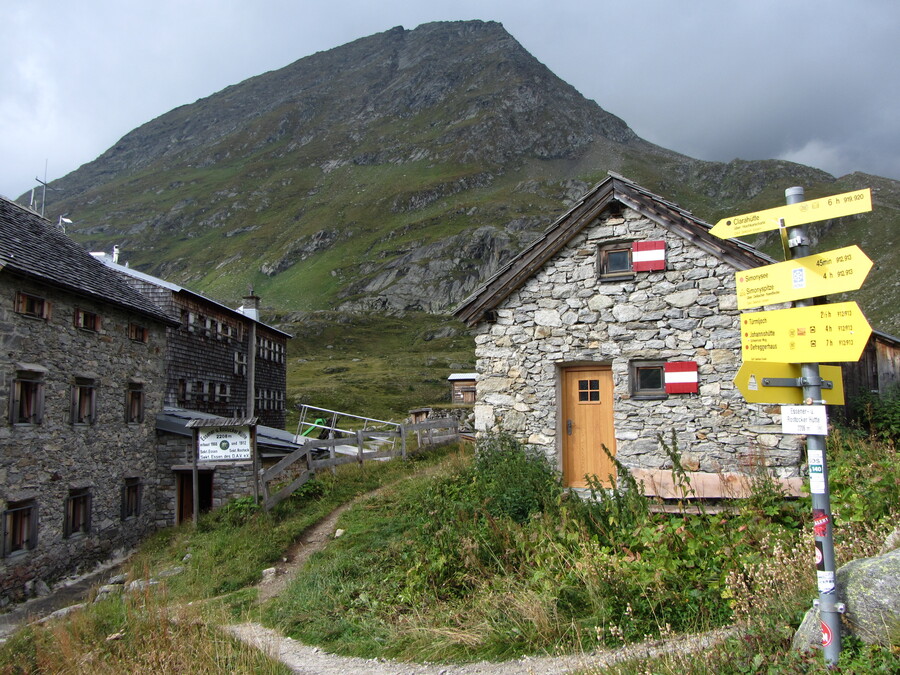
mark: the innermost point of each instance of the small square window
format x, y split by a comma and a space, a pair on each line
137, 332
32, 305
588, 391
614, 261
78, 513
87, 320
648, 379
20, 526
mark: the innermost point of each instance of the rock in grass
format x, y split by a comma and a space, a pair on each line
870, 588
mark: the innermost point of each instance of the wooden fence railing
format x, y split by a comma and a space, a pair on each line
297, 468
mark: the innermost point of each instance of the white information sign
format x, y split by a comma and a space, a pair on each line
804, 419
222, 444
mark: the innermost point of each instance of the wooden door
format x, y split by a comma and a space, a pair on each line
587, 425
185, 510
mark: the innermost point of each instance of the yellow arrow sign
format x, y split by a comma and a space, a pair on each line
837, 332
836, 206
754, 380
837, 271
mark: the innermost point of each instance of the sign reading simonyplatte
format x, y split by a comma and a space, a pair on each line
218, 444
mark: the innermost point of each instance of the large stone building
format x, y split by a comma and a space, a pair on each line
83, 372
617, 326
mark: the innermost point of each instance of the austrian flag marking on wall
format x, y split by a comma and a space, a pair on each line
681, 377
648, 256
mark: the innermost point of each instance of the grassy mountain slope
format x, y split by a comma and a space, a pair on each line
395, 173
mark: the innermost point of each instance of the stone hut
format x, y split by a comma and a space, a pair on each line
616, 327
83, 372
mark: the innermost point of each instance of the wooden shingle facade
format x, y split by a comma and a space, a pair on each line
209, 359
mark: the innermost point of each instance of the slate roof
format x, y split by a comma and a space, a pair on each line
614, 188
31, 246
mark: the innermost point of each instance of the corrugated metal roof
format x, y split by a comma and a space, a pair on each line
272, 441
175, 288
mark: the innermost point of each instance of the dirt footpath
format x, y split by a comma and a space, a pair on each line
305, 660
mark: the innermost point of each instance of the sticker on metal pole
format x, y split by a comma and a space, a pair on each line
827, 636
824, 578
816, 459
820, 522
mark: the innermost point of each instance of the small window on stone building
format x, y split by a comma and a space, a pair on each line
78, 512
137, 332
87, 320
224, 393
84, 401
134, 403
614, 261
26, 404
131, 498
32, 305
20, 526
648, 379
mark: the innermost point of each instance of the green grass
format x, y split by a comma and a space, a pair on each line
471, 565
372, 365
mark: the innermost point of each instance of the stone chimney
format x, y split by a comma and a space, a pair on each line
250, 308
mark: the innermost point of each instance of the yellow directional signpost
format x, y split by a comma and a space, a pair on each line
836, 332
782, 350
837, 271
764, 382
801, 213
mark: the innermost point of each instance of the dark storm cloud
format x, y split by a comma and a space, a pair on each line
808, 81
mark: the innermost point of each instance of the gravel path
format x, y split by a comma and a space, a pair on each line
306, 660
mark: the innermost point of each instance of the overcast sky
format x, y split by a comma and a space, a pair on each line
813, 81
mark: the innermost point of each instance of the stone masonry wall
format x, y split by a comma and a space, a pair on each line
564, 315
44, 462
174, 456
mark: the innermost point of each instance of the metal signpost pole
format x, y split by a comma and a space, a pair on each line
829, 609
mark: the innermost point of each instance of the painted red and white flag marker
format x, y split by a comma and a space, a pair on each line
648, 256
681, 377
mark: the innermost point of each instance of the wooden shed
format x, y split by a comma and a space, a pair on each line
462, 387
